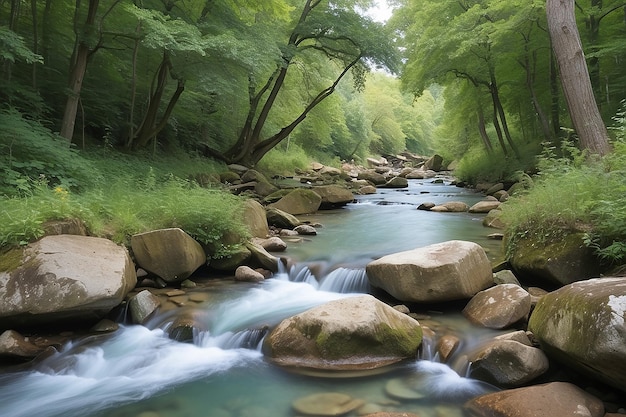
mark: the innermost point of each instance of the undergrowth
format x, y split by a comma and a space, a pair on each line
573, 193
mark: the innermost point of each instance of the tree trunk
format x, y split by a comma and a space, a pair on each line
483, 131
555, 104
568, 50
77, 74
149, 127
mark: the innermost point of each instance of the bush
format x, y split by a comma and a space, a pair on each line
284, 161
31, 154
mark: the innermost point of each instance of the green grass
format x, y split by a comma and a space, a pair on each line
573, 193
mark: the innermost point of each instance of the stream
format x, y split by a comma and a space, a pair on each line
139, 372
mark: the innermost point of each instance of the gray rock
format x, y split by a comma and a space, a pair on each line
142, 306
64, 278
281, 219
261, 257
498, 307
272, 244
170, 254
306, 230
447, 271
507, 363
583, 326
434, 163
505, 276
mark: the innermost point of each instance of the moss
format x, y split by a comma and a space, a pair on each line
387, 341
11, 260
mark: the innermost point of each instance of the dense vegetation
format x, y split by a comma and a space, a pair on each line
109, 98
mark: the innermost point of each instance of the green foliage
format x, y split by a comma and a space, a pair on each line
572, 194
13, 48
284, 159
31, 154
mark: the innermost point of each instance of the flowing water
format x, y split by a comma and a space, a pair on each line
138, 371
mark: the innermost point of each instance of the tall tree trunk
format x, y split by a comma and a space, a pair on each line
150, 127
77, 74
582, 105
499, 110
33, 9
483, 130
555, 97
496, 125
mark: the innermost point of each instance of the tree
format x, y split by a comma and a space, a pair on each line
337, 32
577, 88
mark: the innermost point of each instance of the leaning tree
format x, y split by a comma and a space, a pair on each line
337, 31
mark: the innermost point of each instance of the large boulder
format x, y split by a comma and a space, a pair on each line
507, 363
498, 307
64, 278
255, 218
583, 326
347, 334
434, 163
555, 399
333, 196
171, 254
560, 262
299, 201
447, 271
484, 206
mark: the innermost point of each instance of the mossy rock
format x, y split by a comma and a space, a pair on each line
557, 261
355, 333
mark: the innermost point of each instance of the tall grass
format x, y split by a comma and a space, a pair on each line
574, 194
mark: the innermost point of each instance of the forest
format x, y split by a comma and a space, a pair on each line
99, 93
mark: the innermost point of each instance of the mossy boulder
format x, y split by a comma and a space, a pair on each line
348, 334
583, 325
557, 261
299, 201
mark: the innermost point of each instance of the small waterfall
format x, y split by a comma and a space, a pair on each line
346, 281
245, 339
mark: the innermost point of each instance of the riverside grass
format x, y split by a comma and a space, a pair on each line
573, 193
136, 198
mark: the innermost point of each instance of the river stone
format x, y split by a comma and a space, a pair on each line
305, 230
447, 271
583, 326
299, 201
416, 174
64, 278
397, 182
262, 258
507, 363
281, 219
255, 218
326, 404
434, 163
447, 345
492, 219
404, 389
451, 207
372, 177
333, 196
347, 334
142, 306
239, 256
14, 346
505, 276
367, 189
271, 244
498, 307
555, 399
484, 206
64, 227
247, 274
170, 254
561, 262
